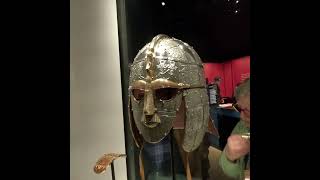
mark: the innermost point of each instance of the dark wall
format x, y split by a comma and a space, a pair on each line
218, 30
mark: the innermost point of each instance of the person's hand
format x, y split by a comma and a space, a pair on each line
237, 147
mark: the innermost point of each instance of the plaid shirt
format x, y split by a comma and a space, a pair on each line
158, 154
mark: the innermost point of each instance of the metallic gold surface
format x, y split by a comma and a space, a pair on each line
105, 161
246, 136
163, 63
161, 83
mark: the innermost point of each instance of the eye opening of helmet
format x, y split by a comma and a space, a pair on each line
165, 94
138, 94
162, 94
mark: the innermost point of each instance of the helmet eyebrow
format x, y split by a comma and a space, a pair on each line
161, 83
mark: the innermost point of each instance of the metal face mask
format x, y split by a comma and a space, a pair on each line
164, 72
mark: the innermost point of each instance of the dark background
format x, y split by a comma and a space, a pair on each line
219, 30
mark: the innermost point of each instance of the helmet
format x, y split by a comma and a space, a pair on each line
166, 75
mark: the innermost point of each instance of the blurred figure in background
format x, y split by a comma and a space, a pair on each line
214, 100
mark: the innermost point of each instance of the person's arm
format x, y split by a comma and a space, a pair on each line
232, 158
232, 169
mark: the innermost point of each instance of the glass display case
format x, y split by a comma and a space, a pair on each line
216, 30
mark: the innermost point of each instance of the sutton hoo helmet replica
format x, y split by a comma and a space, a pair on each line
167, 75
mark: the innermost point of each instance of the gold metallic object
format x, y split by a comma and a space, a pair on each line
104, 162
161, 83
247, 175
165, 73
246, 136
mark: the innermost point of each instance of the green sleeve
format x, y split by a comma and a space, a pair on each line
231, 169
239, 128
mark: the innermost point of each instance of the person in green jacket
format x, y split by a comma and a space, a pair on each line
235, 157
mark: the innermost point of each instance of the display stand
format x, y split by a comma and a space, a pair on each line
172, 157
112, 171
